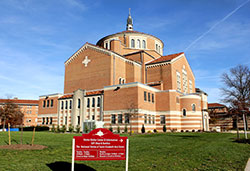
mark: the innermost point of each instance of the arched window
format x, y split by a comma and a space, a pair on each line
132, 43
138, 44
120, 80
144, 44
79, 103
123, 81
184, 113
156, 47
159, 49
193, 107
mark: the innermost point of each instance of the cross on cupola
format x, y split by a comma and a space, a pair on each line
129, 22
86, 61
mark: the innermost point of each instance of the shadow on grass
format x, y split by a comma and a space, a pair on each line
60, 165
244, 141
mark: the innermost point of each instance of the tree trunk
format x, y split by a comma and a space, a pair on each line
238, 135
4, 120
130, 132
21, 139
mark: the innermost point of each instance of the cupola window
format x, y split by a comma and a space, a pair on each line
132, 43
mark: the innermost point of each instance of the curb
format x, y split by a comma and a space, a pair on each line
247, 168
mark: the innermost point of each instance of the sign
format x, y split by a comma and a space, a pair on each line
99, 144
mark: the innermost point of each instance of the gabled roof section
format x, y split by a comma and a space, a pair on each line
165, 58
67, 96
99, 49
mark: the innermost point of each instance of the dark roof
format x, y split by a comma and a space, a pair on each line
215, 105
19, 101
166, 58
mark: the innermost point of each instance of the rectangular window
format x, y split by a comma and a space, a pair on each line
153, 98
79, 103
190, 86
62, 105
113, 119
178, 76
145, 118
149, 97
98, 101
88, 102
66, 104
149, 119
153, 119
51, 120
70, 104
145, 96
127, 118
51, 103
163, 119
93, 102
78, 120
43, 121
47, 121
120, 118
47, 103
44, 103
65, 120
184, 79
93, 117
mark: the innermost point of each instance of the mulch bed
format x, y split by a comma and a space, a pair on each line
23, 147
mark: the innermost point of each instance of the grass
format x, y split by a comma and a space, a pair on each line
170, 151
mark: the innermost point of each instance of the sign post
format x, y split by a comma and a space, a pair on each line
100, 144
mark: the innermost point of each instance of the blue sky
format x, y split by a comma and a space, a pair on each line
36, 37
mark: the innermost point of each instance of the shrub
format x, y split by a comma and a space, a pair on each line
118, 129
155, 130
53, 128
149, 131
78, 128
63, 129
86, 129
193, 130
71, 128
173, 130
187, 130
94, 127
164, 128
182, 131
143, 129
126, 128
57, 129
110, 128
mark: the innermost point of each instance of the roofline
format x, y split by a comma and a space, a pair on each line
109, 52
124, 32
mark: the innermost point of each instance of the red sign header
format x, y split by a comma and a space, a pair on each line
100, 144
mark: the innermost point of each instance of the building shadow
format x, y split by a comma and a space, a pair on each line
60, 165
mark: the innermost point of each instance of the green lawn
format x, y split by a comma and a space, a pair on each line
170, 151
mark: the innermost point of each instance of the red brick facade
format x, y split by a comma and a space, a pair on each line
126, 74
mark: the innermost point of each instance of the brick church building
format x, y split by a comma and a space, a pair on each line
125, 79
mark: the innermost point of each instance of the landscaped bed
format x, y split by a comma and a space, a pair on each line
169, 151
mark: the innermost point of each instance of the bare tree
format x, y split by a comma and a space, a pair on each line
237, 90
10, 113
132, 111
